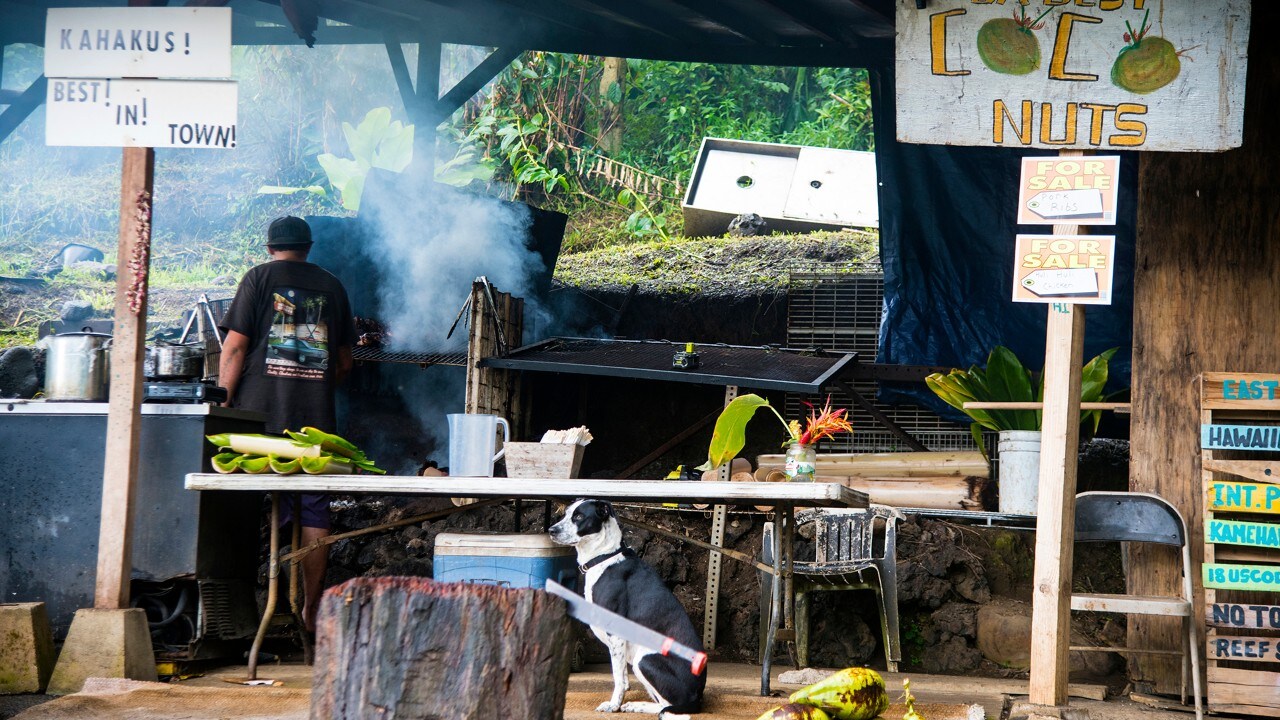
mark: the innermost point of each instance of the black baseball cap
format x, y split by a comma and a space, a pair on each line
289, 231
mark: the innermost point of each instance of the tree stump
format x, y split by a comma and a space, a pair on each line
412, 648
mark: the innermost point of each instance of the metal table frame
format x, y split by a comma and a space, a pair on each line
783, 496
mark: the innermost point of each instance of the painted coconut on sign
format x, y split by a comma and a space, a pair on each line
1145, 64
1008, 46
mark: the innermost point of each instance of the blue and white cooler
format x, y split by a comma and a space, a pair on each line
506, 560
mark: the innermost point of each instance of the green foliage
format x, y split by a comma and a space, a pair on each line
730, 434
533, 132
377, 142
1006, 380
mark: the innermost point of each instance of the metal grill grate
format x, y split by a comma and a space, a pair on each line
838, 309
364, 353
752, 367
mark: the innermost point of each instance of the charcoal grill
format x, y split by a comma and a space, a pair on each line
366, 353
765, 368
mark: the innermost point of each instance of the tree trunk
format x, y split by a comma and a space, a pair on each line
613, 88
410, 648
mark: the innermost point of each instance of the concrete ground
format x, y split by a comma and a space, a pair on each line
733, 690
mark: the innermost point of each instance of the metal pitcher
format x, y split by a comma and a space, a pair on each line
472, 439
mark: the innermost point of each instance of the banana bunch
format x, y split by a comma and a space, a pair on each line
850, 694
794, 711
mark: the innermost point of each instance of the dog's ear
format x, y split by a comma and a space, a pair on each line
607, 508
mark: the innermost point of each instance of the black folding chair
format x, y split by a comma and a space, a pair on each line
1142, 517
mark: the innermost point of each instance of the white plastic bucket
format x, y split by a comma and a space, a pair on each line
1019, 471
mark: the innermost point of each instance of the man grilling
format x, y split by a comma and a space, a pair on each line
288, 339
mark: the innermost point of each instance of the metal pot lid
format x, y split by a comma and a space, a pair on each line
82, 333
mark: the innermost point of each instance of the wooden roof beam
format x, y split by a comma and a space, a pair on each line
878, 24
732, 20
22, 106
815, 21
647, 22
537, 9
474, 82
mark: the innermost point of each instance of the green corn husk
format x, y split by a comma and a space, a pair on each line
328, 442
368, 466
325, 465
227, 462
255, 465
283, 466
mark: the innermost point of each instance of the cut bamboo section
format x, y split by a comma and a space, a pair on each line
885, 465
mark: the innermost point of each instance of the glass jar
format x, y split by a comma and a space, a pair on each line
802, 461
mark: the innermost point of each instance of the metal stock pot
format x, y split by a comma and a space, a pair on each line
77, 367
174, 362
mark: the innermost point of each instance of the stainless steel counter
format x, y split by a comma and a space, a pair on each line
42, 407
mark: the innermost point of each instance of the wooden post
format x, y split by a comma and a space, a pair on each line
111, 590
1056, 506
413, 648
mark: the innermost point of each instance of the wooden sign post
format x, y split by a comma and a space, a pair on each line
93, 59
1056, 505
124, 413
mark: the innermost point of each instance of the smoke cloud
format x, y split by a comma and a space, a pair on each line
429, 243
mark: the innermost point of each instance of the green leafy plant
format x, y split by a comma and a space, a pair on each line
730, 434
1005, 379
377, 142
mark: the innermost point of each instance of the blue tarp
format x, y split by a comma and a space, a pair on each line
947, 245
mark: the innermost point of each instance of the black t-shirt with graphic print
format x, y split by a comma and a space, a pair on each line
296, 316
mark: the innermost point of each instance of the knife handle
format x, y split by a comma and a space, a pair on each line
697, 659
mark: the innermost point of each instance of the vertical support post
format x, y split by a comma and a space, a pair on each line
426, 114
124, 414
718, 517
1056, 507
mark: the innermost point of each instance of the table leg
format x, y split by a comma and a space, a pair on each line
273, 573
519, 512
788, 587
546, 516
781, 518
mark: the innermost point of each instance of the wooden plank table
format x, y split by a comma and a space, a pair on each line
784, 497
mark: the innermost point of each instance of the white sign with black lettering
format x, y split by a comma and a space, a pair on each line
141, 113
154, 42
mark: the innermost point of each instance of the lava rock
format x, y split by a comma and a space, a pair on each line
18, 376
958, 619
952, 656
73, 311
748, 225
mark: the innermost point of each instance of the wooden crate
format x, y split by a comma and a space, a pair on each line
543, 460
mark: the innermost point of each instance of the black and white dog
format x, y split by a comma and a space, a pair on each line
618, 580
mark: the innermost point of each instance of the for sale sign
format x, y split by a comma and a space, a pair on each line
1074, 269
1069, 190
141, 113
135, 42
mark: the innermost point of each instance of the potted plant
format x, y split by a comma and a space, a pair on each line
729, 436
1005, 379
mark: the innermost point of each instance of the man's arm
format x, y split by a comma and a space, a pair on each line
231, 365
343, 370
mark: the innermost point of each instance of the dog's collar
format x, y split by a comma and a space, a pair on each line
623, 550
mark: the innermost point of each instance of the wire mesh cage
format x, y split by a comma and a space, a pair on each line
837, 306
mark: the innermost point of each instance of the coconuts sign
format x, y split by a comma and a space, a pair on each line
1160, 75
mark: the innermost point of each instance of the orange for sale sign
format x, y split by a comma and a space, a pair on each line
1069, 190
1074, 269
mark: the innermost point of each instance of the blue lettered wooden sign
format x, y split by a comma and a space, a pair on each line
1252, 534
1240, 437
1225, 576
1228, 496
